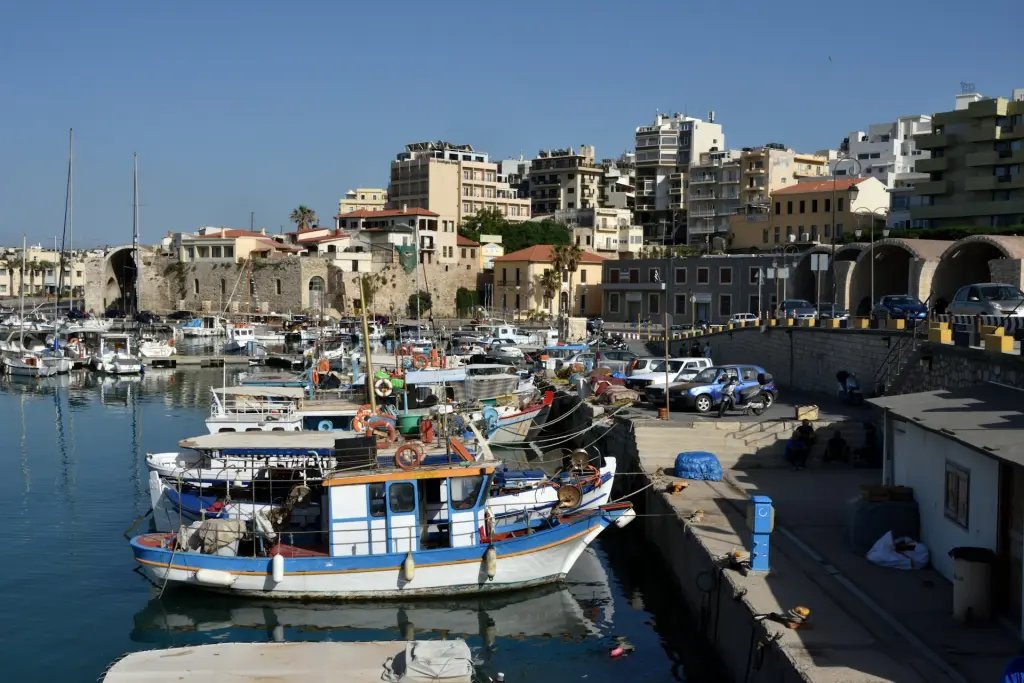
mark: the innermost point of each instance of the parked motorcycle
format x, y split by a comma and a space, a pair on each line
751, 400
849, 388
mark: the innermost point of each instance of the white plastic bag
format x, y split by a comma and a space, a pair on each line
910, 555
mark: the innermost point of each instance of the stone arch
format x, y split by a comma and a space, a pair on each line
121, 268
317, 292
111, 293
807, 284
970, 260
901, 266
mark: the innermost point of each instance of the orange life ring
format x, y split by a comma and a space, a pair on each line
73, 340
364, 412
408, 457
403, 351
419, 361
324, 365
170, 342
316, 378
383, 440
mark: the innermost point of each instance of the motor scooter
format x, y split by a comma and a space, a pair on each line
849, 388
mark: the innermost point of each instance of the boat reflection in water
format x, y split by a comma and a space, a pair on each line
578, 609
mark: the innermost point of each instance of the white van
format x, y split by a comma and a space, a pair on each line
679, 370
743, 318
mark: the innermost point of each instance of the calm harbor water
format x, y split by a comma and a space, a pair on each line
73, 480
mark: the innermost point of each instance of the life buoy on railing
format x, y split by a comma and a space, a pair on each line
419, 361
73, 341
383, 431
408, 456
382, 387
325, 426
324, 366
316, 378
170, 342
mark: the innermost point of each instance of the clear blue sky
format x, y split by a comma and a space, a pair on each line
260, 106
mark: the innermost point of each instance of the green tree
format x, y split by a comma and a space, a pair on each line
550, 282
303, 217
424, 302
567, 257
465, 301
514, 236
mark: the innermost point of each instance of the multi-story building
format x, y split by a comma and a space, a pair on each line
902, 199
41, 272
605, 231
714, 193
774, 166
455, 182
977, 152
224, 245
518, 283
618, 186
806, 212
398, 227
664, 152
690, 289
564, 180
887, 150
363, 199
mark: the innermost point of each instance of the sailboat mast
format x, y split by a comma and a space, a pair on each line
24, 255
69, 249
135, 233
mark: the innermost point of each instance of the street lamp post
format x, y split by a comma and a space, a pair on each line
853, 194
784, 251
871, 238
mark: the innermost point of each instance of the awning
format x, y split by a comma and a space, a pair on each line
262, 440
256, 390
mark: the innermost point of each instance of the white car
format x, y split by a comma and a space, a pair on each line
743, 318
679, 370
506, 351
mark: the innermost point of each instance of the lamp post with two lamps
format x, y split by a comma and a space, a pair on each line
784, 251
871, 238
852, 196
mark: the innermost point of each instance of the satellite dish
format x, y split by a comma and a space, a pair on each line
569, 497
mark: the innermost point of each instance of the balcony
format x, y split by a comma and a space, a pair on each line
645, 191
965, 210
993, 182
509, 283
701, 212
730, 179
985, 132
933, 140
675, 189
677, 206
701, 229
933, 164
754, 171
993, 158
702, 179
932, 187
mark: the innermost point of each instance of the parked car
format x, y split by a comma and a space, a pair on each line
505, 350
616, 361
704, 391
798, 309
988, 298
147, 317
75, 314
113, 312
679, 370
639, 365
827, 312
743, 318
594, 324
899, 306
180, 315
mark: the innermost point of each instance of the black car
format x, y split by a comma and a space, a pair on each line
180, 315
113, 313
147, 317
75, 314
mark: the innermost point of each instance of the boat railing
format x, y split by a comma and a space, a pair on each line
251, 406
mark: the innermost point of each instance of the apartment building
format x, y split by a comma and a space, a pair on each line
804, 213
605, 231
564, 180
455, 182
664, 152
617, 189
42, 275
438, 242
714, 193
363, 199
887, 151
225, 245
774, 166
518, 283
977, 152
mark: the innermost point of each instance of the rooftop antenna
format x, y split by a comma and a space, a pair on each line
967, 88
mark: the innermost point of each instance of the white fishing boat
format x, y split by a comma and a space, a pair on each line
28, 365
205, 326
151, 347
55, 358
240, 338
450, 661
114, 356
249, 408
391, 534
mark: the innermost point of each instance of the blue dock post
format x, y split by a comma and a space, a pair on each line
761, 522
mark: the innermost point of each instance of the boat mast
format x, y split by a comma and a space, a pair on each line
135, 232
368, 383
71, 234
24, 255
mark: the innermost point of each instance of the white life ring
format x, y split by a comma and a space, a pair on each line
382, 387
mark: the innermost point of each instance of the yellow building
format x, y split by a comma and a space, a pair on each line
763, 170
455, 182
977, 153
518, 289
41, 273
223, 244
363, 199
804, 213
488, 252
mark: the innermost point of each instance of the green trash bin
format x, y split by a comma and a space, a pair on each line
409, 424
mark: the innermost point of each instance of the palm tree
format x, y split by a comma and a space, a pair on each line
550, 282
304, 217
567, 257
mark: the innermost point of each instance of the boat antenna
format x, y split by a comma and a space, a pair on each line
135, 232
366, 350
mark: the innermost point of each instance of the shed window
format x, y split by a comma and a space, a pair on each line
958, 486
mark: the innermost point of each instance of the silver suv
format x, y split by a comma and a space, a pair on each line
988, 298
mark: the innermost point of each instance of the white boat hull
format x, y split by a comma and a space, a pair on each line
156, 350
117, 365
18, 367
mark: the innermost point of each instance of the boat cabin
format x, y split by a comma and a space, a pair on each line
376, 513
257, 408
115, 343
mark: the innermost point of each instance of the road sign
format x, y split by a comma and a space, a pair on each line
819, 262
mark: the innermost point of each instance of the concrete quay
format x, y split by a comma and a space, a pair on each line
867, 624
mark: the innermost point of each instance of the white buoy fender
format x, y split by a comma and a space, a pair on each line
408, 567
277, 568
214, 577
625, 518
491, 562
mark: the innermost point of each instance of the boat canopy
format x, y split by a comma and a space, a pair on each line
258, 390
257, 441
368, 476
435, 376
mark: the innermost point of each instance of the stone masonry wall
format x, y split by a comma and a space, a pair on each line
394, 286
938, 366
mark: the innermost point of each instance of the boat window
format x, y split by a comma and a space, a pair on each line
225, 429
432, 490
377, 505
254, 429
465, 491
403, 497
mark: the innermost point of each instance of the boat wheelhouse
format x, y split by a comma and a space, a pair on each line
385, 534
114, 355
254, 408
